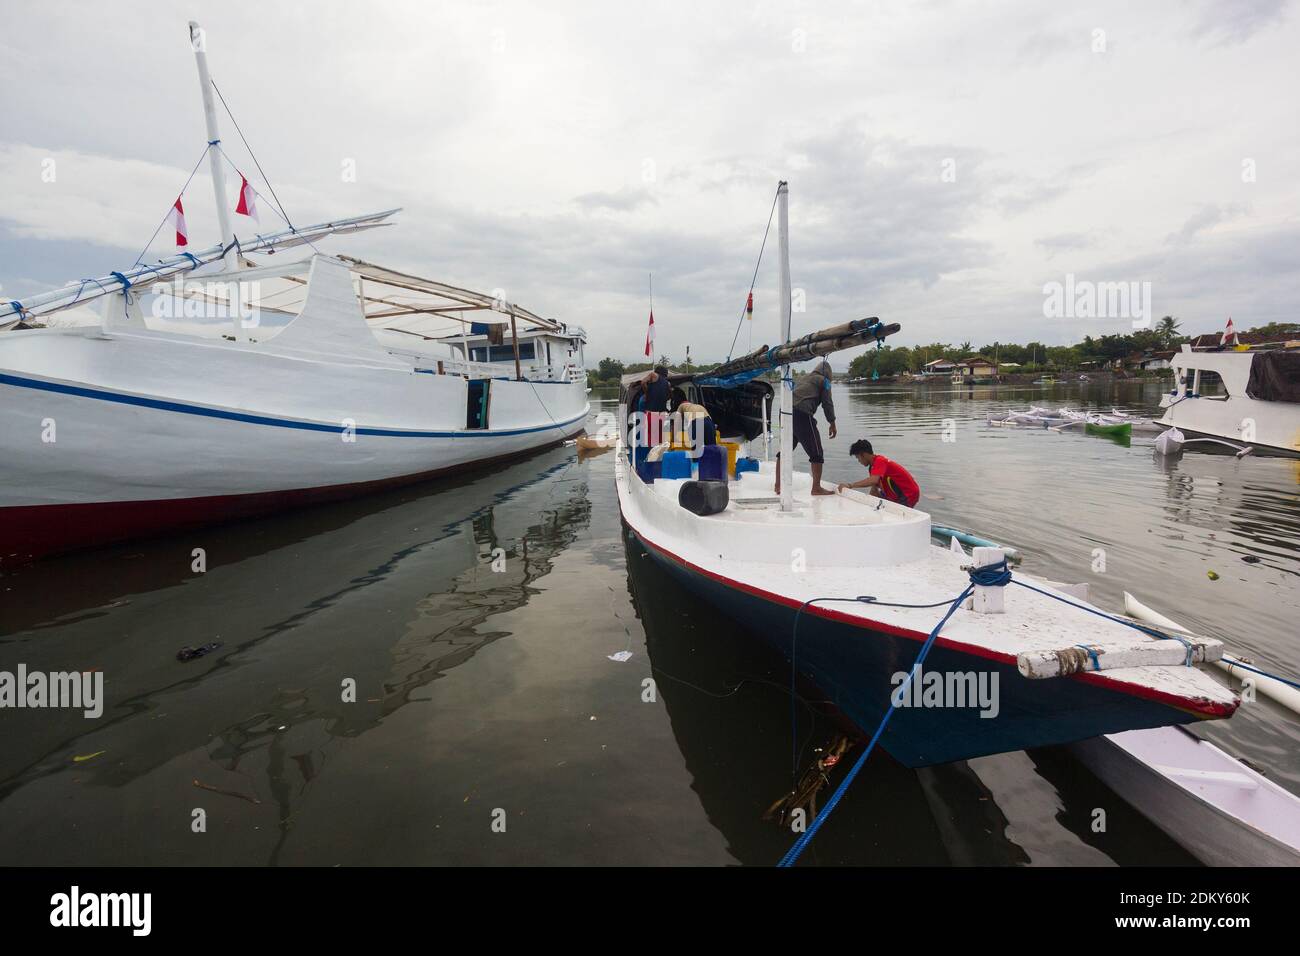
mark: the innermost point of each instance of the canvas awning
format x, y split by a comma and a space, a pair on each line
1274, 377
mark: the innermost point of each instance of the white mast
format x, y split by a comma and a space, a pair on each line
783, 297
198, 41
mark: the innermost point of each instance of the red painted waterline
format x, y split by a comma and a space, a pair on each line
29, 532
1185, 704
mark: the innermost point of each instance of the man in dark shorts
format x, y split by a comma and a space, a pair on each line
811, 392
886, 477
656, 388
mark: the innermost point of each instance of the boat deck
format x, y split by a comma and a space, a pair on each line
852, 545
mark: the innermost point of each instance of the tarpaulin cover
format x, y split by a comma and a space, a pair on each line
1275, 377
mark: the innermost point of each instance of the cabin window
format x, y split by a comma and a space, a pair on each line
503, 353
1211, 385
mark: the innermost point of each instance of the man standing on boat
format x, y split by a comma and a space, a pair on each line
887, 478
811, 392
655, 387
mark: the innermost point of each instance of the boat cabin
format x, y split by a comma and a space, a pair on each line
544, 355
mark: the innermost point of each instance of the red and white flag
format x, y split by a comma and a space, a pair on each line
177, 218
247, 199
650, 335
1229, 334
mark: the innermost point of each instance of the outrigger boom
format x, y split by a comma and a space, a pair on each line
87, 290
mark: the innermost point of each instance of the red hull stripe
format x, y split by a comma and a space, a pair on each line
1205, 709
35, 531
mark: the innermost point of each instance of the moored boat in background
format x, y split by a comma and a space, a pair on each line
333, 377
1249, 396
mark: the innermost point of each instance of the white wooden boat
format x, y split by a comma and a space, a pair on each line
360, 377
1220, 810
1254, 407
849, 587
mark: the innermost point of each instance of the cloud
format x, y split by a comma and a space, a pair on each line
621, 200
1066, 242
1231, 22
941, 164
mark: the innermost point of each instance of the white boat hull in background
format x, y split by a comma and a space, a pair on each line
1271, 426
1215, 807
227, 430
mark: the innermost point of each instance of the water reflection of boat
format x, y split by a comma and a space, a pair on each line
728, 700
307, 602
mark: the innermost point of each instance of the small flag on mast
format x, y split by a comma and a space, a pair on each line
650, 335
1229, 334
749, 307
176, 216
247, 199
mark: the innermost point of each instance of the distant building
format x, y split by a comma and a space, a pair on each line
1212, 340
939, 366
1156, 360
977, 366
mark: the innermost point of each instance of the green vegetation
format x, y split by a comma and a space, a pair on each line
1033, 357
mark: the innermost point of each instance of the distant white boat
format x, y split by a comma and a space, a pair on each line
1260, 401
119, 430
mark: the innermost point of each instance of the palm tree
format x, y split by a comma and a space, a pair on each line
1167, 329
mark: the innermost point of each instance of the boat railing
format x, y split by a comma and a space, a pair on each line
450, 365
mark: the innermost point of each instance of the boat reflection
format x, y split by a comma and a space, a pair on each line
728, 700
386, 600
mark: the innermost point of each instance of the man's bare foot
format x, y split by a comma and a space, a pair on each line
819, 490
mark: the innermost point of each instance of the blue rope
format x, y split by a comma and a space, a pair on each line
1254, 670
993, 576
795, 851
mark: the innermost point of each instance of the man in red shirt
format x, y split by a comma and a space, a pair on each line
887, 478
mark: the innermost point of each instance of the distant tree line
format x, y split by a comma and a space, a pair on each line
1031, 357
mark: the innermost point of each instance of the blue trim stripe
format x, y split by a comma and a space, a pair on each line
184, 409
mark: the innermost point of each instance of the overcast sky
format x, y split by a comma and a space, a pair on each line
563, 152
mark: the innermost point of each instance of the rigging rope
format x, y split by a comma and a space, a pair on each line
284, 215
753, 280
138, 258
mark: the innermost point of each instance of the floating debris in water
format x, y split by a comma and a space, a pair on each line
227, 793
82, 757
190, 653
1212, 575
621, 656
1250, 559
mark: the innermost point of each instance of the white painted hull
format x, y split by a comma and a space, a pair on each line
1271, 426
221, 421
1217, 808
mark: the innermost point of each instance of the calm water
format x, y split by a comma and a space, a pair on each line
482, 690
